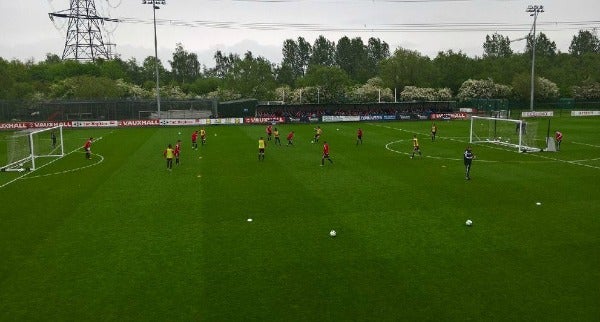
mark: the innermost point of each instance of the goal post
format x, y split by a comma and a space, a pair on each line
517, 134
24, 148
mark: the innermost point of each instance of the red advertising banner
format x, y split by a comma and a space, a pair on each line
263, 120
33, 125
129, 123
447, 116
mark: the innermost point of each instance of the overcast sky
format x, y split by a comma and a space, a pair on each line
261, 26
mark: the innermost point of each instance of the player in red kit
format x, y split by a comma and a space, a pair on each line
290, 138
325, 154
558, 136
177, 151
87, 147
195, 140
269, 132
359, 135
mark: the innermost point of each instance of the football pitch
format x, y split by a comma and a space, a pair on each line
119, 237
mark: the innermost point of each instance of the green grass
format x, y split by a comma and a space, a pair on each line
124, 239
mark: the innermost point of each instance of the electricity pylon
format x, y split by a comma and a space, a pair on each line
84, 37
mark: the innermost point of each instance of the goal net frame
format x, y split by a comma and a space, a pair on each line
26, 148
518, 129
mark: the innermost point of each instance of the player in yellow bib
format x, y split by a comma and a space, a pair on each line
261, 149
416, 148
203, 136
169, 153
277, 140
433, 132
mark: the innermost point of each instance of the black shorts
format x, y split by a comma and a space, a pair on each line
325, 155
261, 150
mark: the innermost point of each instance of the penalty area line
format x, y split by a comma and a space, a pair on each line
49, 163
587, 144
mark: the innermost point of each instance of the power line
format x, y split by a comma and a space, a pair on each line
402, 27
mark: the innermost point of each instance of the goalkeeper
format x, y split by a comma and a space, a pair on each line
468, 157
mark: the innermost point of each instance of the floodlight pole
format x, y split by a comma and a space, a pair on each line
155, 6
534, 11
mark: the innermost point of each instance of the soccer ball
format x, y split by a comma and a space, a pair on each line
332, 233
313, 141
179, 133
469, 222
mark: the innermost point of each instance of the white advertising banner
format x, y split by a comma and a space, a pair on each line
537, 114
341, 118
585, 113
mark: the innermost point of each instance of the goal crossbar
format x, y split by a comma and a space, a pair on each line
506, 132
24, 148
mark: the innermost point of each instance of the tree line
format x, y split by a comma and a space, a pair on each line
349, 70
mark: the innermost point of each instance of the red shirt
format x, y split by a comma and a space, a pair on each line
88, 144
177, 148
290, 136
359, 132
269, 130
325, 148
195, 136
558, 136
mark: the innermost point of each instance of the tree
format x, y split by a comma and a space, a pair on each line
252, 77
543, 47
148, 71
407, 68
372, 91
87, 87
185, 67
134, 71
329, 81
113, 69
377, 51
585, 42
412, 93
291, 68
323, 53
223, 64
351, 56
483, 88
589, 90
453, 69
496, 46
343, 55
296, 56
202, 86
304, 53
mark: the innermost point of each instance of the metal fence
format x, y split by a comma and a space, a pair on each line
12, 111
105, 110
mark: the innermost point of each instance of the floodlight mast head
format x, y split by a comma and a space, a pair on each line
155, 6
534, 10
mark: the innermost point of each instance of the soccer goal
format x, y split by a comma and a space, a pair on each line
24, 148
517, 134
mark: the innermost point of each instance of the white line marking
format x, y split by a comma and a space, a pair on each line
592, 145
536, 155
28, 173
100, 160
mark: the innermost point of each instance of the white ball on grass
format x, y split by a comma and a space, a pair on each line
469, 222
332, 233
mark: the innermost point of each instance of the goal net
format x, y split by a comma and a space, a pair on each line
517, 134
25, 148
